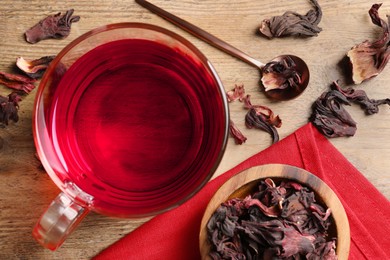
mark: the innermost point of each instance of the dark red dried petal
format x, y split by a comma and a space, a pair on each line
359, 96
251, 229
324, 251
238, 93
253, 120
330, 116
54, 26
272, 211
296, 243
281, 74
17, 82
263, 118
9, 108
368, 59
293, 24
264, 112
238, 136
291, 184
319, 213
34, 68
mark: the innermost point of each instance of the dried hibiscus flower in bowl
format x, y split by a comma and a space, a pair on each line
274, 212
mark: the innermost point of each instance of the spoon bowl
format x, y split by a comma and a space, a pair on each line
293, 90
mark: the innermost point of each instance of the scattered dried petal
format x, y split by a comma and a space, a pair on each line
368, 59
54, 26
263, 118
239, 138
9, 108
326, 250
370, 106
272, 211
17, 82
293, 24
281, 74
266, 113
259, 117
34, 68
281, 221
330, 117
238, 93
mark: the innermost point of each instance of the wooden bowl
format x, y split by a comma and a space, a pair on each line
246, 182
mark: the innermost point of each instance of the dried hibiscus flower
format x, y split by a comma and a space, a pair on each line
34, 68
368, 59
330, 116
238, 93
262, 117
281, 221
17, 82
238, 136
281, 75
370, 106
54, 26
293, 24
9, 108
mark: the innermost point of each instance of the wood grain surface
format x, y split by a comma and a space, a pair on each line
25, 189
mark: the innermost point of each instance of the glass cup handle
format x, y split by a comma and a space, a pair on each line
58, 221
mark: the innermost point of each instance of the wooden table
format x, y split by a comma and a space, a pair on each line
25, 188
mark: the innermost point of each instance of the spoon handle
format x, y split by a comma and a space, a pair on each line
201, 34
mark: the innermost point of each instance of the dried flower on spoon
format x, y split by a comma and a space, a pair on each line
368, 59
34, 68
281, 74
17, 82
293, 24
54, 26
9, 108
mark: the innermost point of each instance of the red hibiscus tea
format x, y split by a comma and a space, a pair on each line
133, 126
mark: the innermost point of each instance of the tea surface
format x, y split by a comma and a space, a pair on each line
128, 125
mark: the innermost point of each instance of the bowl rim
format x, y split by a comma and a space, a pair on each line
257, 173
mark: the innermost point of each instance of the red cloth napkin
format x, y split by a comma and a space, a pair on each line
174, 234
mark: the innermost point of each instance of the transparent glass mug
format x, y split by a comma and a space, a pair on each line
130, 120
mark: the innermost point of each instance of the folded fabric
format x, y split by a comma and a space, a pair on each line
174, 234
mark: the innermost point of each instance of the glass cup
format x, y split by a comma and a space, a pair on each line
130, 120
